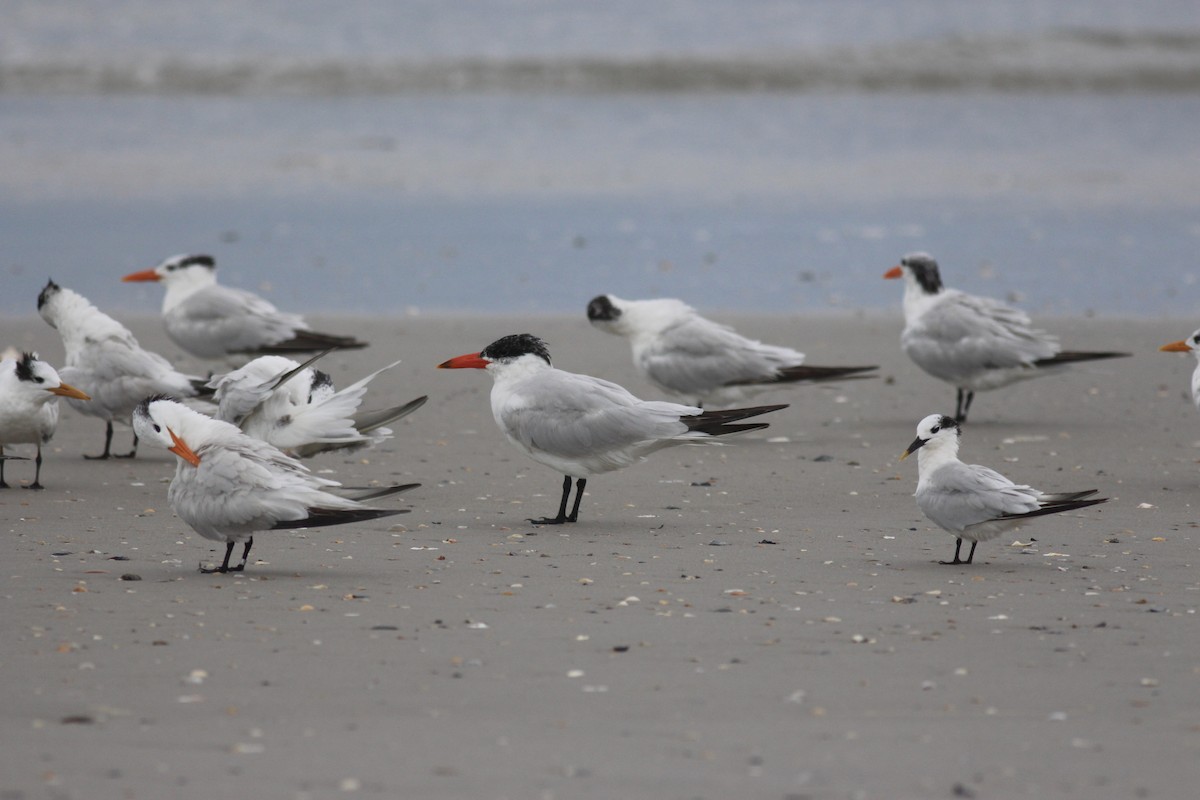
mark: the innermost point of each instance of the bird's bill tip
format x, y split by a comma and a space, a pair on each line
468, 361
916, 445
894, 272
181, 449
1175, 347
144, 275
66, 390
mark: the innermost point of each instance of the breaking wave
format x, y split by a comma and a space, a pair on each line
1098, 61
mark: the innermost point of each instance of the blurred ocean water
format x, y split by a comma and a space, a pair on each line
524, 155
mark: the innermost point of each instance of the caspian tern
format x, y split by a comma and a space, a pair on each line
28, 411
702, 361
296, 408
228, 485
1189, 345
213, 321
973, 343
579, 425
970, 501
104, 360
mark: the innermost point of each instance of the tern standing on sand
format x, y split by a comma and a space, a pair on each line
1189, 345
228, 485
104, 360
213, 321
28, 413
579, 425
973, 343
702, 361
973, 502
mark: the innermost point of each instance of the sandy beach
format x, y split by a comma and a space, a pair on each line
765, 619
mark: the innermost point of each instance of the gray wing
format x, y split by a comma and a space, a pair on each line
963, 334
218, 320
958, 495
118, 373
696, 355
578, 416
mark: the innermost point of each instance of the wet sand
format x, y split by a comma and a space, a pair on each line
761, 620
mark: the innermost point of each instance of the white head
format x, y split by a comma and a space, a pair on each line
38, 381
919, 270
937, 433
171, 425
613, 315
183, 270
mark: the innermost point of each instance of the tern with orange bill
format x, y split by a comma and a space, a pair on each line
29, 389
579, 425
1189, 345
213, 321
228, 485
973, 343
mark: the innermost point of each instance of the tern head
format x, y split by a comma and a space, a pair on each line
604, 311
48, 293
936, 430
1188, 345
505, 350
919, 268
37, 377
180, 269
162, 419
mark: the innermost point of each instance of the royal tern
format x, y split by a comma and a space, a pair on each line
970, 501
296, 408
28, 411
579, 425
702, 361
973, 343
228, 485
1189, 345
213, 321
104, 360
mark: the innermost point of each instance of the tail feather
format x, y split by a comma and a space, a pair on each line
809, 374
367, 421
1066, 497
1055, 508
1072, 356
716, 423
320, 517
375, 493
309, 342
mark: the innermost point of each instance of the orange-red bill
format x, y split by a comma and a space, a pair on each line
181, 449
468, 361
894, 272
66, 390
144, 275
1175, 347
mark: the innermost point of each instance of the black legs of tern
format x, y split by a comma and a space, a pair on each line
957, 549
108, 434
562, 506
228, 552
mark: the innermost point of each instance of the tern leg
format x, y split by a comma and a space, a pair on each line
562, 505
108, 433
250, 543
3, 485
957, 549
132, 452
224, 564
962, 408
37, 471
582, 482
971, 555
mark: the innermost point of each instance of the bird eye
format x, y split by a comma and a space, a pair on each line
1196, 338
157, 429
39, 380
935, 429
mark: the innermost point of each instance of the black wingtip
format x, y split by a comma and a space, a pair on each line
1057, 507
1075, 356
717, 423
320, 517
308, 342
810, 374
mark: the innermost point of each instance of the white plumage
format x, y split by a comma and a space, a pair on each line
973, 343
970, 501
1189, 345
579, 425
213, 321
104, 360
704, 362
228, 485
29, 388
297, 409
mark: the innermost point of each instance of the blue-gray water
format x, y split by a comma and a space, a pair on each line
524, 156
